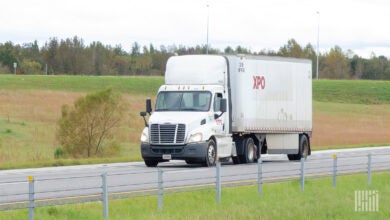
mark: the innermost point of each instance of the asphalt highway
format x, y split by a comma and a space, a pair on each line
75, 183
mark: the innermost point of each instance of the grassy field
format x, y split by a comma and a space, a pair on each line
278, 201
353, 92
338, 91
130, 85
345, 114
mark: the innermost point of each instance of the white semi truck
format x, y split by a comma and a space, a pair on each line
220, 107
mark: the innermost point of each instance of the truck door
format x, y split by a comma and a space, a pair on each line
219, 122
220, 128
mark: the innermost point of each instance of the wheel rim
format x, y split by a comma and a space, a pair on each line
211, 154
251, 150
305, 149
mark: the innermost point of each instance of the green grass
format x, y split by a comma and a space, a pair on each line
339, 91
279, 201
351, 91
133, 85
334, 108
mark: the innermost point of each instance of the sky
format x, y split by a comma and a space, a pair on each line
357, 25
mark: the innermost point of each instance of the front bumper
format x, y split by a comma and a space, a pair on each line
193, 151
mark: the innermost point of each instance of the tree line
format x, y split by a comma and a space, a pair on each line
71, 56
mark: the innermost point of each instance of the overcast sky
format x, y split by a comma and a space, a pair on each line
359, 25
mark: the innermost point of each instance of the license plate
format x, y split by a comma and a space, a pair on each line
167, 157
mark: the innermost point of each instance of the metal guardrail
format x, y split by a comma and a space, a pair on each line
97, 187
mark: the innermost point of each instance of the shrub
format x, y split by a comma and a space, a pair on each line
59, 153
89, 126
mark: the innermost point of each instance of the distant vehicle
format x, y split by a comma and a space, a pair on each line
220, 107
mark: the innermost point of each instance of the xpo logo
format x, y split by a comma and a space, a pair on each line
259, 82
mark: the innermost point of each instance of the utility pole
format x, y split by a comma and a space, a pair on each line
207, 35
318, 39
15, 66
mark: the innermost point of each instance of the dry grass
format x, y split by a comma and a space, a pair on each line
350, 124
34, 106
28, 124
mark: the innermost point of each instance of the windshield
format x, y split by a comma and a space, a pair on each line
183, 101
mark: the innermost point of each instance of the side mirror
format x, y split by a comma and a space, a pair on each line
148, 106
223, 105
222, 108
148, 111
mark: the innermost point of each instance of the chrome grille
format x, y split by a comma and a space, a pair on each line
165, 134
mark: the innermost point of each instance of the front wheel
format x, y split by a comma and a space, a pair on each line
151, 163
189, 161
211, 156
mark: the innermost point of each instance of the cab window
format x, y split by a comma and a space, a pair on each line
217, 102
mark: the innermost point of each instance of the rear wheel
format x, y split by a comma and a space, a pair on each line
236, 160
151, 163
292, 157
303, 149
211, 156
304, 144
250, 151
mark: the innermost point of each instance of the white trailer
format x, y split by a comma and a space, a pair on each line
220, 107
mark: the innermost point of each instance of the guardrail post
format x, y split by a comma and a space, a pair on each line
369, 170
105, 196
259, 176
302, 174
334, 169
218, 182
31, 203
160, 188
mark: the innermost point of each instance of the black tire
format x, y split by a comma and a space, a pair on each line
292, 157
304, 149
211, 154
151, 163
189, 161
236, 160
250, 151
304, 146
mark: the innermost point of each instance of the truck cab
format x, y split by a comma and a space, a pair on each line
190, 116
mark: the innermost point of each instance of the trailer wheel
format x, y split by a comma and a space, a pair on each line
211, 156
291, 156
303, 149
250, 151
151, 163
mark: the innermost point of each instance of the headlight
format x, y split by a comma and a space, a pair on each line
195, 138
145, 135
